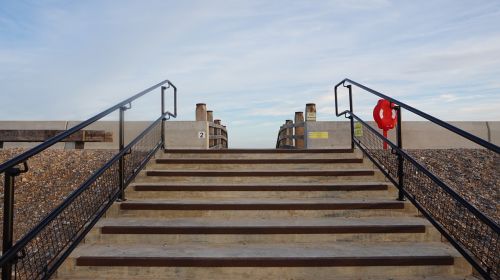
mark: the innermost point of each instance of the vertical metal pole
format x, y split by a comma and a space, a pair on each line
121, 167
163, 119
8, 222
351, 117
401, 196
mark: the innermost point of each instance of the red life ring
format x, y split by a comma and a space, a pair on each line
385, 115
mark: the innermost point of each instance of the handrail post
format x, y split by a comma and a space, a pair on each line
401, 196
163, 88
8, 215
121, 164
350, 116
8, 219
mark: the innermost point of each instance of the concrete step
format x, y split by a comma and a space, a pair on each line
261, 208
277, 261
346, 186
259, 151
261, 154
440, 277
260, 173
215, 191
256, 164
260, 176
249, 204
265, 161
272, 231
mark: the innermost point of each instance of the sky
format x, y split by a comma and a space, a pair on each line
254, 63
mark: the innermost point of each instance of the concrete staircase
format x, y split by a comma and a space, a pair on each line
263, 214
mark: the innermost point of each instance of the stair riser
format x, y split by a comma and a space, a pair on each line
259, 194
258, 179
261, 206
274, 166
262, 214
262, 156
262, 273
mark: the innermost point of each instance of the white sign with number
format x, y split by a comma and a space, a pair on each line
202, 134
310, 116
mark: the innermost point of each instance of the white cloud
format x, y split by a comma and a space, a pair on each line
449, 97
249, 59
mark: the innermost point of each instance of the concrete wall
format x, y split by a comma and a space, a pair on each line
338, 135
186, 135
178, 134
416, 134
494, 128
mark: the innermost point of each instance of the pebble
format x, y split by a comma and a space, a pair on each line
473, 173
53, 175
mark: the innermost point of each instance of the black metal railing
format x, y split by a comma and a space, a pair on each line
474, 234
39, 253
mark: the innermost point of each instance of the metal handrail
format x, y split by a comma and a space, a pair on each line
12, 251
480, 215
397, 149
40, 226
57, 138
452, 128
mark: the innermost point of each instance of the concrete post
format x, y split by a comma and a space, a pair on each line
310, 112
218, 132
201, 112
224, 132
211, 131
210, 116
299, 130
289, 132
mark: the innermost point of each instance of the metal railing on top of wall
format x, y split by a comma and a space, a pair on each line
39, 253
291, 134
473, 233
218, 135
288, 138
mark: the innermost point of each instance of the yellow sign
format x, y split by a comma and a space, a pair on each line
358, 129
318, 135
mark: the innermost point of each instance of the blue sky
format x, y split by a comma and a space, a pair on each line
253, 62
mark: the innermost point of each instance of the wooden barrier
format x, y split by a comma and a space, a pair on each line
292, 134
286, 137
299, 130
30, 135
218, 140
